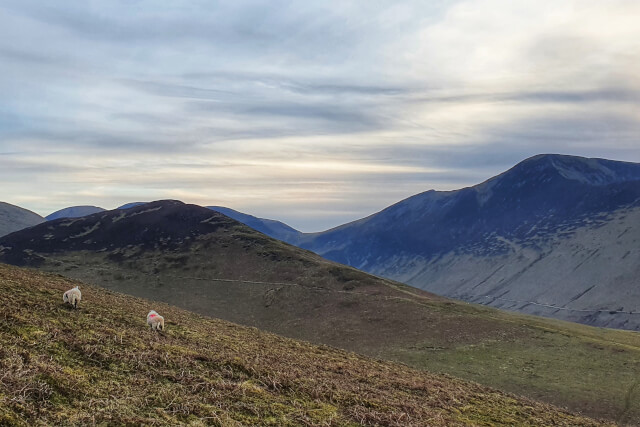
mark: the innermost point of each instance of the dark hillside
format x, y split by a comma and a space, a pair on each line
276, 229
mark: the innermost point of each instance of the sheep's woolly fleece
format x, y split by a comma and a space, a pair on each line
72, 296
155, 320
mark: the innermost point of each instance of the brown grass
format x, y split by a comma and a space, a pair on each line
102, 365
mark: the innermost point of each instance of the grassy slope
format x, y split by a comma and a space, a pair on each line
590, 370
101, 364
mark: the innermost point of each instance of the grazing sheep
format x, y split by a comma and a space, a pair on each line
72, 296
155, 321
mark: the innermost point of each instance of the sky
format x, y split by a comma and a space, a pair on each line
312, 113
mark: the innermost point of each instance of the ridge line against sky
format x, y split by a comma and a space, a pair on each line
312, 114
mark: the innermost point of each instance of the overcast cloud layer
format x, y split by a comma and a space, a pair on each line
311, 114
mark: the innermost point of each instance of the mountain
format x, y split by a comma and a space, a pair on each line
14, 218
201, 260
102, 365
131, 205
74, 212
270, 227
555, 236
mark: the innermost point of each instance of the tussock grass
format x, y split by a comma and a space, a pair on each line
102, 365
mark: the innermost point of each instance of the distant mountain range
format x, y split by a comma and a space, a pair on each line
74, 212
14, 218
131, 205
80, 211
555, 235
269, 227
272, 228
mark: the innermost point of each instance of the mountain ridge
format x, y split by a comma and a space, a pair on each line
74, 212
270, 227
523, 213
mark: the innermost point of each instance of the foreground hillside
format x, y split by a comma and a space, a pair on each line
203, 261
100, 364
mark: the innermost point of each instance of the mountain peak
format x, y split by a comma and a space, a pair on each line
74, 212
590, 171
131, 205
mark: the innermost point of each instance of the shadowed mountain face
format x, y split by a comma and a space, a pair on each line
131, 205
276, 229
14, 218
482, 243
74, 212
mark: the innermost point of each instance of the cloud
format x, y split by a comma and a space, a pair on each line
311, 113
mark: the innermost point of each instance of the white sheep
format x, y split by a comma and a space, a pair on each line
72, 296
155, 321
